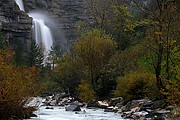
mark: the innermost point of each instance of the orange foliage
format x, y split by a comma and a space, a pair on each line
17, 84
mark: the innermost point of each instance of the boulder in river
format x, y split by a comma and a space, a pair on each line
74, 106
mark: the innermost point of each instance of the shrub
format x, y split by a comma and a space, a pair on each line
136, 85
67, 74
17, 85
85, 91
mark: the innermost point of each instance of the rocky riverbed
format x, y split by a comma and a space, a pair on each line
65, 107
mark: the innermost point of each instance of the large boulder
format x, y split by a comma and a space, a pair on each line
74, 106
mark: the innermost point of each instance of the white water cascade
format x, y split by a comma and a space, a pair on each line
20, 4
41, 32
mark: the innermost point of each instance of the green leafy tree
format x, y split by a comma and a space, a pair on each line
94, 49
115, 18
123, 26
67, 74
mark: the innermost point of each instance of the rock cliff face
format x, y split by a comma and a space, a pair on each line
65, 14
14, 24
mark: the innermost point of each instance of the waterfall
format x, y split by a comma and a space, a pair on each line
42, 33
20, 4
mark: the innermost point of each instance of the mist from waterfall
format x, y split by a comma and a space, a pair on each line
41, 32
20, 4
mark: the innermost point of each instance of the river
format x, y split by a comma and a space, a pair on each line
59, 113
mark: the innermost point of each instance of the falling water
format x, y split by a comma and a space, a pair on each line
20, 4
42, 33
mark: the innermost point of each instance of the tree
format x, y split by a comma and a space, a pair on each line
53, 55
19, 56
100, 11
114, 17
162, 41
35, 56
94, 49
123, 26
68, 74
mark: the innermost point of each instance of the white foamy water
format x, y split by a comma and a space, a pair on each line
42, 34
59, 113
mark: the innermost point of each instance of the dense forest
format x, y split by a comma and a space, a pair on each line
130, 50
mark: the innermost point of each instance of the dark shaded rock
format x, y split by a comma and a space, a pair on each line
111, 109
34, 115
136, 103
15, 24
158, 104
119, 105
49, 108
92, 104
115, 101
159, 115
139, 115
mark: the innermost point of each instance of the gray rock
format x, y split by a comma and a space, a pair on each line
115, 101
102, 104
136, 103
72, 108
15, 24
65, 14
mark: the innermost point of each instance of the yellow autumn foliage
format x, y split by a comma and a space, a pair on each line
136, 85
85, 91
